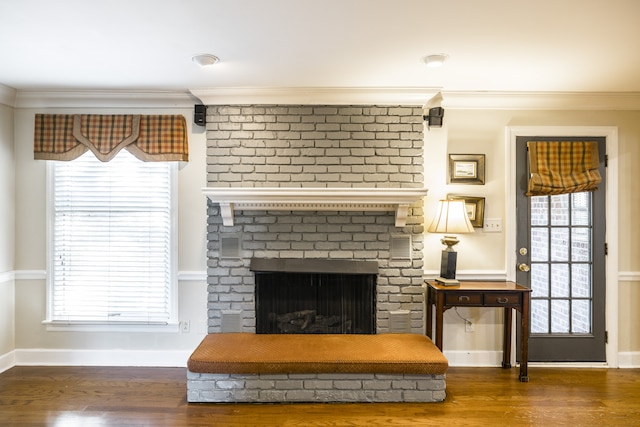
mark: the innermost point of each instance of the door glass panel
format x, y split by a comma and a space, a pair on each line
539, 210
561, 264
540, 316
559, 211
560, 244
581, 281
539, 280
560, 280
581, 209
560, 316
580, 316
539, 244
580, 244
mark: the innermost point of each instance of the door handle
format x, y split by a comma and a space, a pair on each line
523, 267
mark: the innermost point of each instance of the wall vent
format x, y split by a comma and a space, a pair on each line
230, 247
400, 246
231, 321
400, 321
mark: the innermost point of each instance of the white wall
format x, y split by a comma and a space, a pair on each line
7, 237
466, 131
7, 193
145, 348
483, 254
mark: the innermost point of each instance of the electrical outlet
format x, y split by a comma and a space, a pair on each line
492, 225
185, 327
469, 326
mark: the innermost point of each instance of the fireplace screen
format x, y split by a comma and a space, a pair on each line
315, 303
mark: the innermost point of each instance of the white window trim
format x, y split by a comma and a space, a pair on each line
172, 326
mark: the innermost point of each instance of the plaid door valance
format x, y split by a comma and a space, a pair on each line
561, 167
149, 138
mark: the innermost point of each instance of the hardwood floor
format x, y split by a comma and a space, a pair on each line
90, 396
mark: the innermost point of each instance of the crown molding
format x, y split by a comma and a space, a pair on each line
314, 95
541, 100
103, 99
321, 96
419, 96
7, 95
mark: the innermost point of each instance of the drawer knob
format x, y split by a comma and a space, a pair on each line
463, 298
503, 300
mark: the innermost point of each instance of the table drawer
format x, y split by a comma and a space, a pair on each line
467, 298
511, 299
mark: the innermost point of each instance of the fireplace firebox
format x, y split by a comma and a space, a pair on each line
295, 296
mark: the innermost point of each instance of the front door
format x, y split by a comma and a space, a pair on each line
561, 257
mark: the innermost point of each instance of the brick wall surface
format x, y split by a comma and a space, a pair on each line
315, 388
314, 146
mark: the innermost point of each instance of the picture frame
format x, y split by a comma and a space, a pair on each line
466, 169
474, 207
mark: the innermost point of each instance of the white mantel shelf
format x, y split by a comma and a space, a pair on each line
397, 200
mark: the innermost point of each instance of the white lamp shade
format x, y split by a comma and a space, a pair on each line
451, 217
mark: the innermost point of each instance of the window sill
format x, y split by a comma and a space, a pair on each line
56, 326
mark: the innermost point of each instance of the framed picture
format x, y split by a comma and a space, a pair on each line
466, 169
474, 207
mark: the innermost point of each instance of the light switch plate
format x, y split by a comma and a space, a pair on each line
492, 225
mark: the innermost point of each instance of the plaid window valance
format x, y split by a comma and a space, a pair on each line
150, 137
561, 167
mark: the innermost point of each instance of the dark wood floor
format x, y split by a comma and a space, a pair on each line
89, 396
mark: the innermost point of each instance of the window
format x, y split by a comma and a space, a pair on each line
111, 257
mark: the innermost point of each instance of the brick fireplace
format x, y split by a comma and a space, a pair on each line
341, 147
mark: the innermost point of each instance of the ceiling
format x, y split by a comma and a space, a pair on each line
493, 45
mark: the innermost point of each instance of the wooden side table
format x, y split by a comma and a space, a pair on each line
508, 295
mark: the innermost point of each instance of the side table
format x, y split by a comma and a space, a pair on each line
509, 295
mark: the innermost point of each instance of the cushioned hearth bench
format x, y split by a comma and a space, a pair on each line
246, 367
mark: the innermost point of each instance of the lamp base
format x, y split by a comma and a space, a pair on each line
448, 264
447, 282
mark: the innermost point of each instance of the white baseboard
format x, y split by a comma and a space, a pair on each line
626, 360
178, 358
7, 361
474, 358
629, 359
72, 357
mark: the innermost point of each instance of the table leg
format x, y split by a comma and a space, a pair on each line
429, 314
439, 319
506, 346
524, 335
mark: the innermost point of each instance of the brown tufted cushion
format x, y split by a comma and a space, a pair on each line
247, 353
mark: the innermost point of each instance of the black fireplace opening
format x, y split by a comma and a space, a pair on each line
315, 302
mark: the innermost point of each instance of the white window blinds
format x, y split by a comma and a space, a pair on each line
111, 257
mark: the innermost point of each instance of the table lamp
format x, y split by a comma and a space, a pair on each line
451, 217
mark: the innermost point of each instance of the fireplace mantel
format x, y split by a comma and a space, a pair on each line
397, 200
